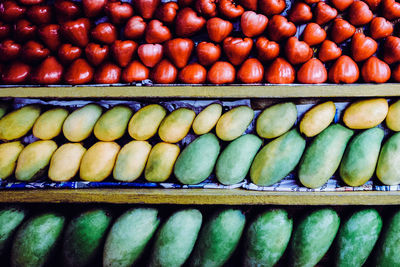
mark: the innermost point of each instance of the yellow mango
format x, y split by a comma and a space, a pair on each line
65, 162
33, 159
131, 161
207, 119
79, 124
144, 123
365, 114
112, 124
3, 110
9, 153
234, 123
19, 122
176, 125
393, 117
49, 124
318, 119
161, 162
98, 162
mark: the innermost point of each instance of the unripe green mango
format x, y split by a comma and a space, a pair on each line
218, 239
276, 120
113, 123
234, 123
197, 160
313, 237
10, 219
267, 238
234, 162
33, 159
144, 123
387, 169
161, 162
387, 251
83, 238
9, 153
176, 125
129, 236
176, 238
357, 237
79, 124
323, 156
277, 159
35, 241
207, 119
18, 123
3, 109
131, 161
359, 160
50, 123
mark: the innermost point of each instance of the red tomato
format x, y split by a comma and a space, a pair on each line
79, 72
50, 36
267, 50
280, 72
4, 30
312, 72
229, 9
107, 73
341, 30
10, 11
253, 24
391, 50
118, 12
313, 34
237, 49
164, 72
390, 9
150, 54
300, 13
342, 4
179, 51
68, 53
251, 71
167, 12
344, 70
122, 51
135, 72
9, 50
66, 10
96, 53
396, 73
249, 4
324, 13
193, 73
375, 70
208, 53
373, 4
380, 28
271, 7
24, 30
33, 51
134, 28
40, 14
218, 29
297, 52
359, 13
279, 28
77, 31
207, 8
188, 23
329, 51
104, 33
221, 72
50, 71
93, 8
362, 47
156, 32
146, 8
16, 73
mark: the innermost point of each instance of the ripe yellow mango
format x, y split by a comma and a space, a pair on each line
144, 123
393, 117
79, 124
317, 119
234, 123
112, 124
161, 162
176, 125
3, 110
98, 161
131, 161
207, 119
9, 153
33, 159
365, 114
19, 122
65, 162
49, 124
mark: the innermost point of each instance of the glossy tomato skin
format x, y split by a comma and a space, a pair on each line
249, 4
10, 11
390, 9
344, 70
50, 35
324, 13
313, 34
93, 8
221, 72
188, 23
396, 74
237, 49
329, 51
118, 12
167, 12
164, 72
253, 24
267, 50
9, 50
33, 51
251, 71
135, 72
40, 14
280, 72
156, 32
193, 73
79, 72
373, 4
380, 28
279, 28
104, 33
122, 51
68, 53
297, 52
391, 50
66, 10
146, 8
207, 8
362, 47
208, 53
375, 70
271, 7
96, 53
77, 31
24, 30
179, 50
359, 13
341, 30
150, 54
135, 28
50, 71
5, 30
300, 13
107, 73
16, 73
218, 29
342, 4
312, 72
229, 9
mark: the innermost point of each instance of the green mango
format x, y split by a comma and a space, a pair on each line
389, 246
10, 219
387, 169
113, 123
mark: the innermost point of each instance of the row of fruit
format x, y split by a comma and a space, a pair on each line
106, 42
184, 237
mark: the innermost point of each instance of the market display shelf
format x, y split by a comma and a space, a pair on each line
198, 197
204, 91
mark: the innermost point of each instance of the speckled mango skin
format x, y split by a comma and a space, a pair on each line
83, 238
365, 114
80, 123
387, 169
176, 125
144, 123
129, 236
33, 159
357, 237
18, 123
360, 158
387, 250
35, 241
98, 161
313, 237
65, 162
113, 123
393, 117
161, 162
131, 161
234, 123
206, 120
266, 238
277, 159
176, 238
9, 153
10, 219
50, 123
322, 158
317, 119
276, 120
218, 239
